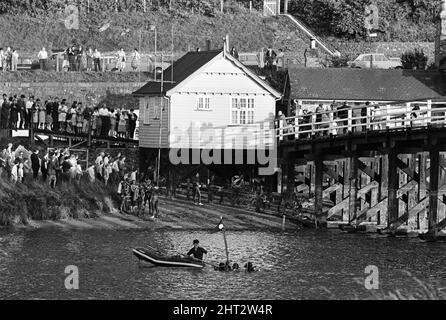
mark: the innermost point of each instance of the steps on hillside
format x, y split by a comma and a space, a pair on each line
310, 34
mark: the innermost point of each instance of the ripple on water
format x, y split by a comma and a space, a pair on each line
300, 265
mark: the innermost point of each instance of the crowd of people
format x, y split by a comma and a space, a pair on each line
76, 58
58, 115
9, 59
55, 166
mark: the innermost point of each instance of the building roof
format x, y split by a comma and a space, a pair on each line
182, 69
187, 65
366, 84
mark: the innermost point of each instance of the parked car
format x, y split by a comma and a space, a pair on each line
377, 60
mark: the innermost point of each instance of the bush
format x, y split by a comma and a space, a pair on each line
414, 60
339, 62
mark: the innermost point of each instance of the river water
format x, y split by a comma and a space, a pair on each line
301, 265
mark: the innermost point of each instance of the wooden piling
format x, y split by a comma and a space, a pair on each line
392, 180
434, 156
353, 198
318, 206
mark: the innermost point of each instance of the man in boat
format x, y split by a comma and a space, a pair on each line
197, 252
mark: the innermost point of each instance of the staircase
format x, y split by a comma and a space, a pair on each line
331, 51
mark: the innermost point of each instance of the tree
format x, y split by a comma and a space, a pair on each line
414, 60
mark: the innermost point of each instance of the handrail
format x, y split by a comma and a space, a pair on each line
362, 118
311, 34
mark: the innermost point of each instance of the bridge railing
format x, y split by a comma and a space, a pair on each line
363, 118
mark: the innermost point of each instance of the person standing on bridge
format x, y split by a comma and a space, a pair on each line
132, 123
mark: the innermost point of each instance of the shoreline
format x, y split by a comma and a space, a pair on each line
175, 214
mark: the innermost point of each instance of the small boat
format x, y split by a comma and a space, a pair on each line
166, 261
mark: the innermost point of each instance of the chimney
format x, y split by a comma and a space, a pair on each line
208, 45
440, 40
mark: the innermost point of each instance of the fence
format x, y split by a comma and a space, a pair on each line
356, 119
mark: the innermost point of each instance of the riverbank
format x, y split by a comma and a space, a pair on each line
174, 215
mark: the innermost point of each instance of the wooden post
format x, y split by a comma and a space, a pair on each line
285, 9
422, 167
250, 6
222, 6
318, 206
434, 156
350, 114
353, 199
291, 174
429, 111
392, 189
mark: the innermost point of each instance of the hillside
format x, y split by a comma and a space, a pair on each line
193, 23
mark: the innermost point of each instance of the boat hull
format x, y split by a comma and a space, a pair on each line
165, 261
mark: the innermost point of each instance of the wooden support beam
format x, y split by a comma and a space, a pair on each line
318, 206
405, 168
369, 171
326, 193
353, 199
408, 215
373, 211
392, 188
406, 188
334, 175
338, 207
434, 156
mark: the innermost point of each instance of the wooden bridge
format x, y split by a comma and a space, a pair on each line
381, 165
82, 140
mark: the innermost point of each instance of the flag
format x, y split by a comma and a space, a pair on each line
220, 226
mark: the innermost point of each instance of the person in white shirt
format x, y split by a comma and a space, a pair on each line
97, 60
14, 60
28, 106
120, 65
43, 58
136, 57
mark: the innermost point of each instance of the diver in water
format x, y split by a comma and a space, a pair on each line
250, 267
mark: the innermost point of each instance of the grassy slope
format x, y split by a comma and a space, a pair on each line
21, 202
248, 32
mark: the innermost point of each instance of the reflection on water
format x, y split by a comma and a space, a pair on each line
304, 265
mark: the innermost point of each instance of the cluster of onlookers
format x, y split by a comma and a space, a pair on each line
75, 58
57, 115
341, 118
9, 59
55, 166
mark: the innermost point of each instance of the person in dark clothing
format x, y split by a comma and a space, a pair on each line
35, 164
5, 113
55, 114
71, 53
21, 110
197, 252
132, 123
44, 167
14, 116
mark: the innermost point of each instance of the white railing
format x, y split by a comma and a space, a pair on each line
362, 119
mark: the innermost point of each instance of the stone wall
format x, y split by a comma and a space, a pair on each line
114, 94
